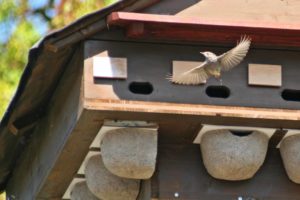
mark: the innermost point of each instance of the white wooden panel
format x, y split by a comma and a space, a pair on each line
107, 67
264, 75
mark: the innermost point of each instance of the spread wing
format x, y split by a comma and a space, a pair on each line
234, 56
195, 76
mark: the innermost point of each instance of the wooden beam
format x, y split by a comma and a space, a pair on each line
276, 138
206, 30
276, 118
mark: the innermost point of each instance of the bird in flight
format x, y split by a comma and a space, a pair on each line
213, 64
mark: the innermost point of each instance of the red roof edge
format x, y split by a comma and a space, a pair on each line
169, 27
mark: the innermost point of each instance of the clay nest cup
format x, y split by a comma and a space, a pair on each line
233, 156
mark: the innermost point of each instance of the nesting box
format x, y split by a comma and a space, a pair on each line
233, 156
112, 66
130, 152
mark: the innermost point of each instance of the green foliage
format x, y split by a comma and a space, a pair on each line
20, 33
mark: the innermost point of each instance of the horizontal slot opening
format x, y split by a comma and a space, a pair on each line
218, 91
291, 95
144, 88
241, 133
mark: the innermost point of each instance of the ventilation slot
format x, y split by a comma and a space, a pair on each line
291, 95
218, 91
240, 133
144, 88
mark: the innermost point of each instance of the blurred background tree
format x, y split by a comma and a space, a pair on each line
24, 22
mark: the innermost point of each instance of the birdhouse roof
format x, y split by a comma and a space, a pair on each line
49, 57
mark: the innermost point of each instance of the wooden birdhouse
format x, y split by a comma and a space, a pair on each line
95, 116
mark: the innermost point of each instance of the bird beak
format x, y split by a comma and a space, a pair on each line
202, 53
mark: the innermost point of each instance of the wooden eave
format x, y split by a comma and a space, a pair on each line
166, 27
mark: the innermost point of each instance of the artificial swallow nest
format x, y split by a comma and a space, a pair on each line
290, 153
106, 185
80, 191
130, 152
228, 156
